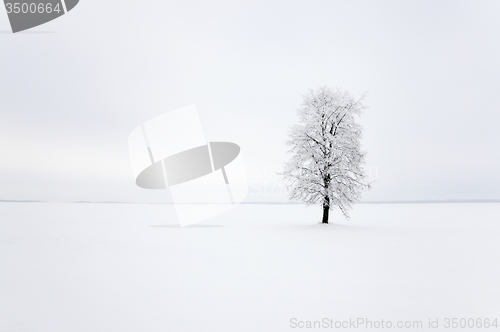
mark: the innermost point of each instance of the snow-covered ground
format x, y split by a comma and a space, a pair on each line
125, 267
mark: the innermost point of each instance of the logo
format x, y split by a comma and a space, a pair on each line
205, 178
26, 14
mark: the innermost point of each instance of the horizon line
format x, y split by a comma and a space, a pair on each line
424, 201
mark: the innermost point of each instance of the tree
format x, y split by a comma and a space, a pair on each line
327, 162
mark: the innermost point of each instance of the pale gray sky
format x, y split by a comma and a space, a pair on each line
69, 99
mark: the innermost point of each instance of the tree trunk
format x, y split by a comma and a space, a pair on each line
326, 210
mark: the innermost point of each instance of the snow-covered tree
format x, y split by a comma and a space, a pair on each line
327, 161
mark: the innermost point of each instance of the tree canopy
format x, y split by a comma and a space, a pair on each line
326, 165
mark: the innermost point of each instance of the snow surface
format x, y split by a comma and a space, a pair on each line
129, 267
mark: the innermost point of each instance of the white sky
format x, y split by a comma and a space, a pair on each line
69, 99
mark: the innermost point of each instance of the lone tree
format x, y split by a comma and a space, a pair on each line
327, 162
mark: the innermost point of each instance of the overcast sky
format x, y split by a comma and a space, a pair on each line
70, 97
